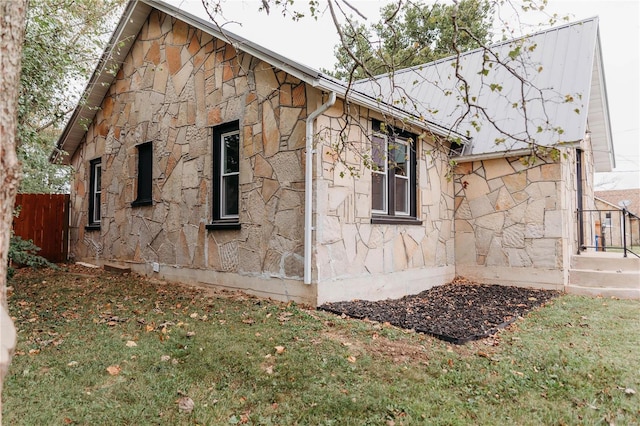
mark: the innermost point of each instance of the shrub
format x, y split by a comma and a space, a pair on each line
24, 253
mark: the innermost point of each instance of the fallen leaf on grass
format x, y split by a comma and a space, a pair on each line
131, 344
279, 349
72, 364
630, 391
351, 359
284, 316
165, 358
191, 333
114, 370
185, 404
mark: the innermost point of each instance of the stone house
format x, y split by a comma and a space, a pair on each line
203, 157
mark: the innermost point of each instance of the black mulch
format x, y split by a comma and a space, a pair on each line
456, 312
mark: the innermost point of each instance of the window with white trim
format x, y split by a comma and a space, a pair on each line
393, 176
95, 193
226, 176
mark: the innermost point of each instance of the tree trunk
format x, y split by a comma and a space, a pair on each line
12, 24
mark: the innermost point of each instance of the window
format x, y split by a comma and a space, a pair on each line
393, 177
145, 175
95, 192
226, 176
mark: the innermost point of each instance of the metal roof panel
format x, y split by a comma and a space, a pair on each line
553, 74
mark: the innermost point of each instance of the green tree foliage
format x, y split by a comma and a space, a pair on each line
63, 40
410, 34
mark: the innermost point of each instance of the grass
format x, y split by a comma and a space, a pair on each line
243, 360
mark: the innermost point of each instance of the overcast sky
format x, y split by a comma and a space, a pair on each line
312, 43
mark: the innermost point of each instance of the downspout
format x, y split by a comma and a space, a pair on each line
308, 185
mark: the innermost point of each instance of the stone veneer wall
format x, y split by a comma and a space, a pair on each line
175, 84
358, 259
514, 222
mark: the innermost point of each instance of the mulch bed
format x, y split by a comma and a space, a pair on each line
457, 312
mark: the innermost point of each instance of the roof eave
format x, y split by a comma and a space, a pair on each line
362, 99
296, 69
123, 37
602, 138
510, 153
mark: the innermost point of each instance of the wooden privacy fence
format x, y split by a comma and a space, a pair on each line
44, 218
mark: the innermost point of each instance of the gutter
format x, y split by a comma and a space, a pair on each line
308, 185
507, 154
492, 155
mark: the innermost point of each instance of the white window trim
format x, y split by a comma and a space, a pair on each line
96, 192
223, 175
385, 173
407, 195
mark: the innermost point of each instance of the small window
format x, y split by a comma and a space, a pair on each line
95, 193
145, 175
226, 176
393, 177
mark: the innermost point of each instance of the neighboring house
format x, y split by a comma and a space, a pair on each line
608, 217
205, 158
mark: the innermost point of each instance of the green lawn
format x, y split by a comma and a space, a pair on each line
119, 350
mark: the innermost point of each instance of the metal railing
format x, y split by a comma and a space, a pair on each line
615, 230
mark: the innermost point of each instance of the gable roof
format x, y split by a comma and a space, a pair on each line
615, 196
559, 73
133, 18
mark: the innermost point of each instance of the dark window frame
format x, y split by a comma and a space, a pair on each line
95, 194
222, 219
394, 138
144, 187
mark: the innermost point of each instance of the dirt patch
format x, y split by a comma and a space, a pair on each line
458, 312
